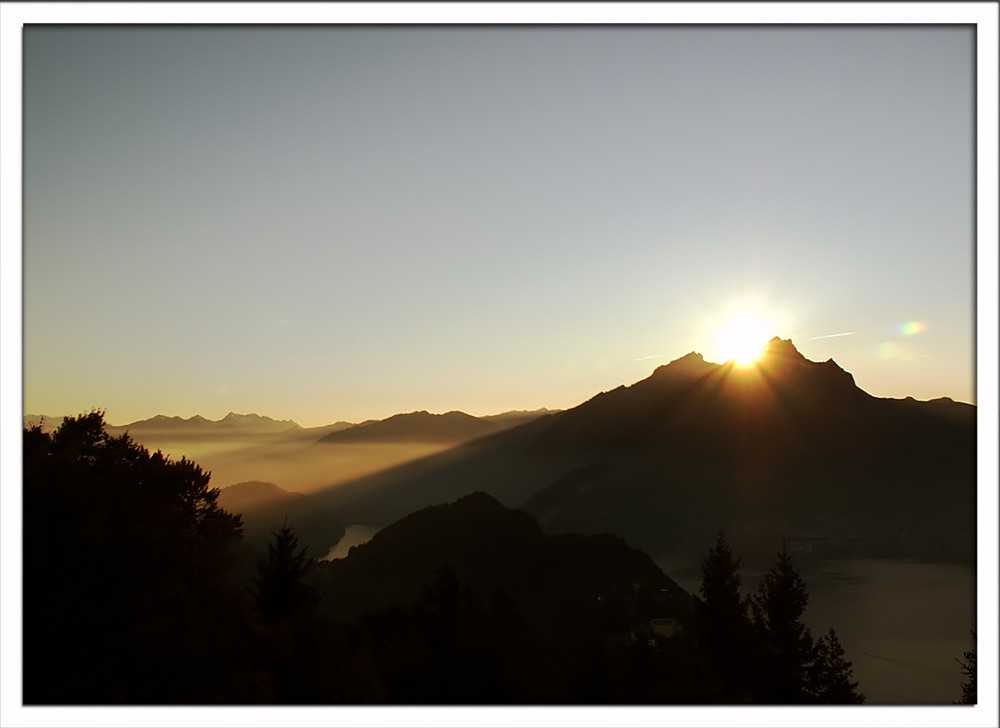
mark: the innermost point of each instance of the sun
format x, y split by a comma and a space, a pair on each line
742, 339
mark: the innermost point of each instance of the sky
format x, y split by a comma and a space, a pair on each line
343, 223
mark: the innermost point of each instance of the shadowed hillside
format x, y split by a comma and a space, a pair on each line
471, 602
242, 448
265, 508
493, 548
452, 427
789, 450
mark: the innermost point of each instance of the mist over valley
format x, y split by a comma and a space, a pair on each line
789, 455
353, 373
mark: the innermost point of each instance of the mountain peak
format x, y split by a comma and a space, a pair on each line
692, 357
782, 348
779, 357
234, 417
254, 419
690, 364
780, 360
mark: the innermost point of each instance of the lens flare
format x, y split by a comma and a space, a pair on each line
889, 350
742, 339
913, 327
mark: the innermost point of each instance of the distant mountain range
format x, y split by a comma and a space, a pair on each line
232, 422
789, 451
196, 425
451, 427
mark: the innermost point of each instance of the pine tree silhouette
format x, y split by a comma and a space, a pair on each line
968, 665
788, 645
830, 677
724, 625
126, 580
280, 591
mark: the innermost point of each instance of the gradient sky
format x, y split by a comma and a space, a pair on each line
330, 224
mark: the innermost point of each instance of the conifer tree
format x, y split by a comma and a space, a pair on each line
140, 607
789, 650
968, 665
280, 591
720, 584
724, 626
830, 678
446, 599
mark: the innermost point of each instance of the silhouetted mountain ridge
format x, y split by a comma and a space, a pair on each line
251, 423
451, 427
416, 426
788, 449
513, 418
494, 549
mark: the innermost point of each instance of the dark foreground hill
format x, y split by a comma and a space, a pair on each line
463, 603
471, 602
493, 549
789, 451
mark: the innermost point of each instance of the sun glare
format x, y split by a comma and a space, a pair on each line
741, 340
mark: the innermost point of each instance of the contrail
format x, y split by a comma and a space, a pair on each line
651, 356
832, 336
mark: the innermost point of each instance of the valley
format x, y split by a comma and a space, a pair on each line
874, 498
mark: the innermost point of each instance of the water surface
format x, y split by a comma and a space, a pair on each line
902, 623
354, 535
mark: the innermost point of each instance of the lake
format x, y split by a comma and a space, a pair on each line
354, 535
902, 624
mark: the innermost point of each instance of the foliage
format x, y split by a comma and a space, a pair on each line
769, 656
130, 597
968, 665
720, 586
449, 648
778, 606
125, 564
830, 678
724, 626
298, 648
280, 591
116, 490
